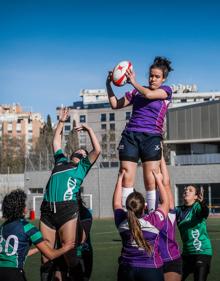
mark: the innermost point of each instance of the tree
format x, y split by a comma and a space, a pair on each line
72, 143
41, 155
12, 155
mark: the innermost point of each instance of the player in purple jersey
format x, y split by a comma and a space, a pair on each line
168, 245
140, 258
143, 133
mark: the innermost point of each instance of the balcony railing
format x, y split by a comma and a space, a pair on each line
197, 159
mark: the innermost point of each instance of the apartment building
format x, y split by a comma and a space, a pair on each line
15, 123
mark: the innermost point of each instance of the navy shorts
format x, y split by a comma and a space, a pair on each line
56, 214
173, 266
130, 273
136, 145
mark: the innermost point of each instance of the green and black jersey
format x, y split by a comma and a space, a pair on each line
66, 178
191, 221
16, 238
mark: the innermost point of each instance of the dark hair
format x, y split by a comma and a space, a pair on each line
13, 205
197, 189
72, 155
163, 64
135, 204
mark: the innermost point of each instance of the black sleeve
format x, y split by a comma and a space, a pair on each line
204, 213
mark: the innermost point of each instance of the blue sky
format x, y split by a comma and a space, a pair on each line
50, 50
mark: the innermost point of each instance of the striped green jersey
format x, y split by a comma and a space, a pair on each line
16, 238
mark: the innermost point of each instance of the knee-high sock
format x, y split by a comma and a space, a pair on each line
152, 199
125, 192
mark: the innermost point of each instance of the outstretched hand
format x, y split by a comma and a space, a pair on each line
158, 176
82, 127
130, 76
201, 195
64, 114
109, 77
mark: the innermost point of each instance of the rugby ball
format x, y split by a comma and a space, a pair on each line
118, 73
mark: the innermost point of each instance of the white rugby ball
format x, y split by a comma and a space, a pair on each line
118, 73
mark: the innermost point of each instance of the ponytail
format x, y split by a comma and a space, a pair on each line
135, 206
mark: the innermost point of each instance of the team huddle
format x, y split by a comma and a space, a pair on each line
146, 223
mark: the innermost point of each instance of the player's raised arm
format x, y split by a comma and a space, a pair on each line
57, 139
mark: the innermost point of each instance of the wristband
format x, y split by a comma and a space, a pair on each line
61, 121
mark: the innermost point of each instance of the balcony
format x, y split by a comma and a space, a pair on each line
197, 159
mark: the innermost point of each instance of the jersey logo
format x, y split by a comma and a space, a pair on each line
157, 147
196, 243
161, 217
71, 184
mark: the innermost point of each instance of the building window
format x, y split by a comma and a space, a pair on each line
68, 120
103, 117
127, 115
111, 116
103, 126
82, 118
9, 128
18, 128
67, 128
104, 138
82, 139
112, 126
112, 137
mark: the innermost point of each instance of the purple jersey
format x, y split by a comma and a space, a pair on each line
169, 249
133, 255
148, 115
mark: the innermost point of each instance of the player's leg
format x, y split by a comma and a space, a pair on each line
172, 270
69, 233
150, 151
202, 267
129, 156
152, 195
49, 235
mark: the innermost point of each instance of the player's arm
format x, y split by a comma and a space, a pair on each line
113, 100
50, 253
166, 181
164, 206
146, 92
33, 251
57, 139
204, 212
96, 148
117, 196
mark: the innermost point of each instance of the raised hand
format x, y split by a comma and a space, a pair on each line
64, 114
130, 76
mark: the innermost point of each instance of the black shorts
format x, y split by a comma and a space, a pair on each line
191, 262
12, 274
173, 266
130, 273
135, 145
56, 214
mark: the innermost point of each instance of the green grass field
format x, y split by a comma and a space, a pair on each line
107, 245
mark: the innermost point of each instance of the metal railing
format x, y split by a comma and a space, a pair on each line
197, 159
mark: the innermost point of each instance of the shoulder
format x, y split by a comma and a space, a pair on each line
167, 89
131, 94
59, 156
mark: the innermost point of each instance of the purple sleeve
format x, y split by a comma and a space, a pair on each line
168, 90
120, 215
156, 218
130, 95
